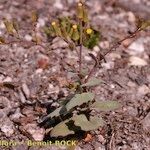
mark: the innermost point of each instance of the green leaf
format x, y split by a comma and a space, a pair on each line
56, 113
66, 23
88, 125
92, 82
61, 129
79, 99
49, 31
92, 40
106, 105
75, 35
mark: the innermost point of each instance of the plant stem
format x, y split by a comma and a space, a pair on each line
81, 42
112, 48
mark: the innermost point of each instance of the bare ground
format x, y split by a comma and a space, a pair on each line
36, 88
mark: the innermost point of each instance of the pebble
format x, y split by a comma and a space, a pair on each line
58, 4
3, 115
26, 90
101, 139
5, 105
7, 127
137, 47
2, 26
146, 123
114, 56
59, 43
108, 65
100, 148
7, 79
136, 61
41, 22
39, 71
55, 104
104, 44
143, 90
132, 111
16, 115
36, 132
28, 37
96, 49
131, 17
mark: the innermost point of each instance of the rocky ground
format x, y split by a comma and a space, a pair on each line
37, 74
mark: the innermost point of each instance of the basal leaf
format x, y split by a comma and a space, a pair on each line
106, 105
56, 113
79, 99
92, 82
61, 129
87, 125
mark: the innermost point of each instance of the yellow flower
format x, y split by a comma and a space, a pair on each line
53, 23
89, 31
74, 26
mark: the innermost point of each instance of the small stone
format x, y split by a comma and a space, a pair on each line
143, 90
112, 86
58, 4
2, 26
5, 105
131, 84
101, 139
100, 148
16, 115
22, 97
7, 79
136, 61
87, 58
146, 123
131, 17
96, 49
55, 104
39, 71
58, 43
41, 22
114, 56
8, 128
137, 47
36, 132
28, 37
104, 44
132, 111
2, 116
108, 65
26, 90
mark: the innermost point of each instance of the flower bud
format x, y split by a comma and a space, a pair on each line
56, 28
80, 12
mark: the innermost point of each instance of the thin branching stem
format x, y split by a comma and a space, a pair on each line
81, 42
112, 48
